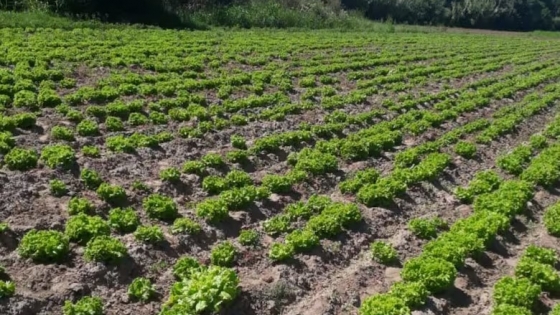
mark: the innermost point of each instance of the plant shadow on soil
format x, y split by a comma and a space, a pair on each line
457, 298
179, 187
8, 239
471, 274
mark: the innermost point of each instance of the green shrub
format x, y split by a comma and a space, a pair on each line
465, 149
414, 294
123, 220
281, 252
24, 84
91, 151
213, 160
194, 167
381, 193
25, 120
552, 219
506, 309
149, 234
238, 179
140, 186
538, 141
383, 253
542, 255
514, 162
118, 110
112, 194
158, 118
436, 274
516, 292
237, 156
171, 175
383, 304
555, 310
26, 99
315, 162
325, 226
85, 306
141, 289
127, 89
278, 183
347, 214
538, 273
58, 155
74, 116
160, 207
137, 119
7, 142
426, 228
238, 142
21, 159
7, 289
302, 240
455, 247
205, 291
277, 225
78, 205
4, 227
114, 124
120, 144
214, 184
483, 182
57, 187
48, 98
407, 158
68, 83
223, 254
82, 228
179, 114
184, 267
44, 246
91, 178
185, 225
361, 178
212, 209
87, 128
307, 82
544, 174
105, 249
249, 238
239, 198
62, 133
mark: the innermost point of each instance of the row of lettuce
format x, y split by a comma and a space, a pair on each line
495, 203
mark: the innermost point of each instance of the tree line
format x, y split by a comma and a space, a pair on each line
520, 15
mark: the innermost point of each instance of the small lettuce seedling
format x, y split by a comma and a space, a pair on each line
123, 220
141, 289
86, 306
223, 254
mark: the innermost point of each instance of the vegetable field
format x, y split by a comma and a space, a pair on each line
147, 171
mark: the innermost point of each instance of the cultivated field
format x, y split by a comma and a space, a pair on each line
267, 172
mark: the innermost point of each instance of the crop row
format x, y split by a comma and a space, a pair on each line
377, 191
496, 202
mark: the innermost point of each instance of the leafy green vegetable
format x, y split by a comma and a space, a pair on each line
44, 246
85, 306
105, 249
383, 253
141, 289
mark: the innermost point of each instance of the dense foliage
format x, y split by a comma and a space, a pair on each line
509, 14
